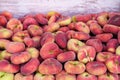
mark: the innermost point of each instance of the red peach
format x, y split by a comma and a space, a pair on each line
71, 26
14, 25
3, 21
35, 30
65, 76
118, 36
96, 43
104, 37
66, 56
49, 50
96, 68
91, 22
86, 76
64, 29
36, 40
52, 19
50, 66
20, 58
30, 67
114, 20
3, 43
74, 67
7, 14
15, 47
29, 42
61, 39
86, 54
19, 76
70, 34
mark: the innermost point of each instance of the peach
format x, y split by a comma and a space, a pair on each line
70, 34
74, 67
3, 43
20, 58
19, 76
20, 35
104, 37
103, 56
66, 56
96, 68
86, 76
86, 54
108, 76
81, 26
30, 67
51, 27
83, 18
95, 28
65, 76
91, 22
33, 52
36, 40
64, 29
74, 44
113, 64
6, 76
6, 66
15, 25
114, 20
96, 43
80, 36
5, 55
3, 21
29, 42
49, 50
71, 26
39, 76
15, 47
111, 28
103, 18
35, 30
61, 39
50, 66
52, 19
41, 19
111, 45
46, 38
64, 20
117, 51
7, 14
5, 33
51, 13
118, 36
29, 21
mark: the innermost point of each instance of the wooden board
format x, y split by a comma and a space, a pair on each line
21, 7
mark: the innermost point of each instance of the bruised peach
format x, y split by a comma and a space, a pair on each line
51, 27
96, 43
61, 39
19, 76
74, 67
66, 56
29, 21
5, 33
35, 30
3, 21
14, 25
6, 66
20, 58
50, 66
20, 35
96, 68
46, 37
15, 47
63, 75
30, 67
104, 37
86, 54
49, 50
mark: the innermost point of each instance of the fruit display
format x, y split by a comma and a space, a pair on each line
53, 46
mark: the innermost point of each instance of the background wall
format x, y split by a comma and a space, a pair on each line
20, 7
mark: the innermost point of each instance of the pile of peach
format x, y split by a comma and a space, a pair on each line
56, 47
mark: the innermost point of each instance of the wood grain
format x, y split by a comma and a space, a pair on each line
67, 7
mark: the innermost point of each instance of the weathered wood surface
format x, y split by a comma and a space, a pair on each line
21, 7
